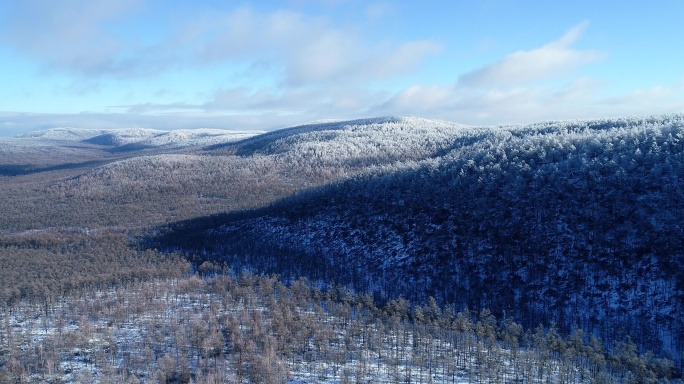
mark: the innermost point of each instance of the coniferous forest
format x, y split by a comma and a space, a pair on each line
392, 250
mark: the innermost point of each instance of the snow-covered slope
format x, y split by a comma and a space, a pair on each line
344, 138
196, 137
75, 148
139, 137
64, 133
281, 163
122, 136
573, 223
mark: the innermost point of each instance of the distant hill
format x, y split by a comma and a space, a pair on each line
572, 223
71, 176
140, 137
72, 148
67, 133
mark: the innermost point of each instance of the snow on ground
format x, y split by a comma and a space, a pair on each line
137, 324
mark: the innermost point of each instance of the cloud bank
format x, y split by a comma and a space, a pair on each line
94, 39
538, 84
285, 67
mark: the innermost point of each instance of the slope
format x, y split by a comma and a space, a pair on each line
176, 181
572, 223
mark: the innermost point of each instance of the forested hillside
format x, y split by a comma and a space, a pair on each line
74, 176
253, 329
457, 244
572, 223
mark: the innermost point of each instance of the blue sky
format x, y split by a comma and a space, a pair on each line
171, 64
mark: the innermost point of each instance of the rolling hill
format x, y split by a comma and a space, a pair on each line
577, 224
574, 224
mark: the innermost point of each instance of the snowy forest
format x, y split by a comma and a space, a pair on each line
393, 249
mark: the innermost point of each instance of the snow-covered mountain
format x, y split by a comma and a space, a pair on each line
135, 139
383, 137
572, 223
252, 172
140, 137
61, 148
64, 133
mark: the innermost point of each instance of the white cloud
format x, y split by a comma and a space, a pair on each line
242, 108
405, 58
655, 99
523, 87
312, 70
307, 49
553, 60
17, 123
322, 57
377, 10
419, 99
310, 102
69, 35
90, 39
580, 98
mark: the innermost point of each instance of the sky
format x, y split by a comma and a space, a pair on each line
171, 64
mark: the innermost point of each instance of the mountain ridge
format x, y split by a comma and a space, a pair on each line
576, 223
142, 137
